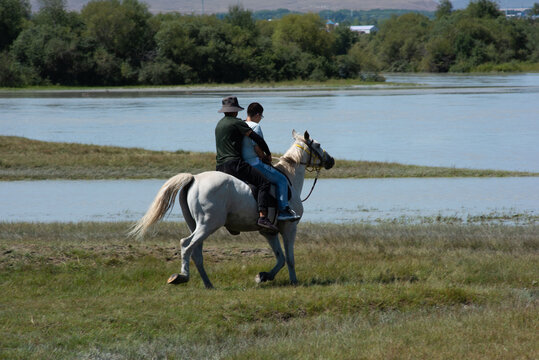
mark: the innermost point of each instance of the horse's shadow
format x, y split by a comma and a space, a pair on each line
305, 283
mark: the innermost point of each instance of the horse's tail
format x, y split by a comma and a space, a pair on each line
163, 202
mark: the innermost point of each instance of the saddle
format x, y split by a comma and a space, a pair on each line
272, 206
273, 195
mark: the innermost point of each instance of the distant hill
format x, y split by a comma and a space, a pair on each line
220, 6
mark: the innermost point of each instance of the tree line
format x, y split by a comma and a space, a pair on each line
119, 42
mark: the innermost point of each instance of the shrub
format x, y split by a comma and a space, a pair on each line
166, 72
13, 74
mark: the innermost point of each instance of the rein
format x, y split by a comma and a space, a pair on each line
314, 168
314, 183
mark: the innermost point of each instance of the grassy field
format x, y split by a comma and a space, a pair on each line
25, 159
387, 291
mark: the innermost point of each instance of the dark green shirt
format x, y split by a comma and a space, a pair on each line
229, 134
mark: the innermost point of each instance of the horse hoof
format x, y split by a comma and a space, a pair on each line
263, 277
177, 279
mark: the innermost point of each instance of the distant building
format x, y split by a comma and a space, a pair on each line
519, 13
330, 25
364, 29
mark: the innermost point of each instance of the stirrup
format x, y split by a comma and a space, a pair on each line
288, 215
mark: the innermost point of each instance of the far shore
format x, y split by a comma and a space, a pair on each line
280, 86
202, 88
26, 159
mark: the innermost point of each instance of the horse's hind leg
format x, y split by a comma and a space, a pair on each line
198, 259
184, 276
273, 241
188, 245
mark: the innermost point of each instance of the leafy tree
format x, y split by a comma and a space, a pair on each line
52, 12
344, 39
265, 29
165, 72
56, 53
107, 67
364, 55
440, 55
304, 31
12, 16
238, 16
116, 42
474, 44
13, 74
444, 8
174, 42
483, 9
535, 9
52, 47
401, 42
215, 50
121, 28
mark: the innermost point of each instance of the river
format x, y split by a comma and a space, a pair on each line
471, 121
336, 200
485, 122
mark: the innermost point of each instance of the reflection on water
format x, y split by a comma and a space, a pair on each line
456, 120
332, 200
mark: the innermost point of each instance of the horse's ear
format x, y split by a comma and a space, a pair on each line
294, 134
306, 136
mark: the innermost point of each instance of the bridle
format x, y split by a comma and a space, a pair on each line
310, 150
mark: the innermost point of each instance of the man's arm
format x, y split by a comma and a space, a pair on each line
265, 158
259, 140
259, 152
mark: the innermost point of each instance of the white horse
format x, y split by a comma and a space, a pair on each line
214, 199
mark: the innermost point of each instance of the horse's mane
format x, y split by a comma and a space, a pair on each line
291, 159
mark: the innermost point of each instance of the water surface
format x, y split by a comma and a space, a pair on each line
338, 200
463, 121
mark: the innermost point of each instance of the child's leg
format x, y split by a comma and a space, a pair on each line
276, 177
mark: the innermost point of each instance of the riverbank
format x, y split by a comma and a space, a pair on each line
487, 69
26, 159
290, 85
508, 67
409, 291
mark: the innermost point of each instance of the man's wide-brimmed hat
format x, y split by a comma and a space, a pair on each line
230, 104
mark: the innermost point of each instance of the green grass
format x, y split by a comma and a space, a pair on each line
392, 291
25, 159
285, 85
514, 66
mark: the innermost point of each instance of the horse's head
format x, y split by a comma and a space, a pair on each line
313, 154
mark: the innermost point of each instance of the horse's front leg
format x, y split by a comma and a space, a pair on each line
289, 238
273, 241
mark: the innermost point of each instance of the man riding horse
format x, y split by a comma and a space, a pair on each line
213, 199
229, 134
